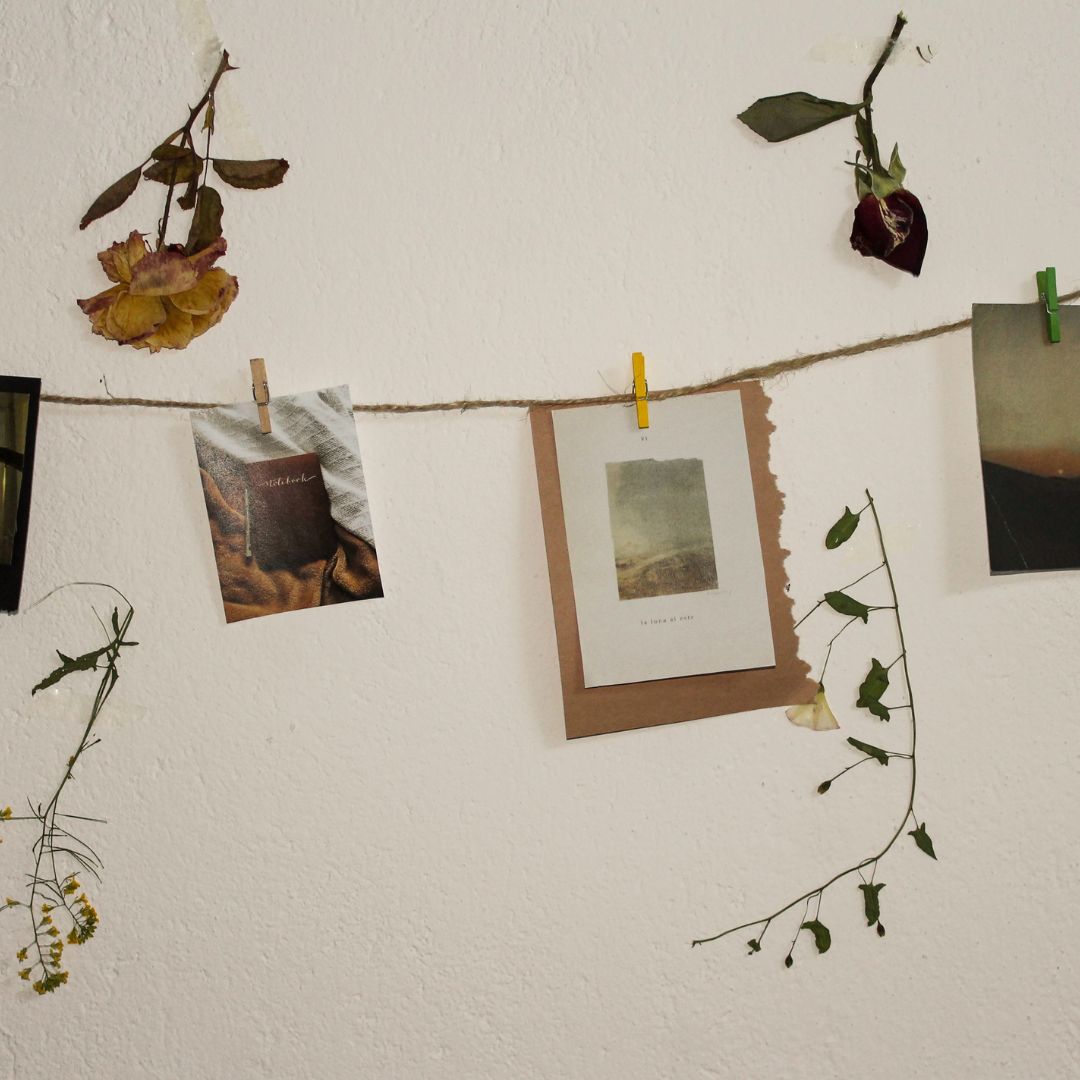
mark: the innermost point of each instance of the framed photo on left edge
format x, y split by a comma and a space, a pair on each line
19, 400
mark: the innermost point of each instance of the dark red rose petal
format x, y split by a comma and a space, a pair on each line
909, 255
891, 229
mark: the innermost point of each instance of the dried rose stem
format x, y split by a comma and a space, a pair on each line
185, 132
868, 86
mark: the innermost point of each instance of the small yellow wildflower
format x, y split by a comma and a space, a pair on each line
25, 974
21, 954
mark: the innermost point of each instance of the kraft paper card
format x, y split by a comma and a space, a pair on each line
1027, 395
288, 512
667, 575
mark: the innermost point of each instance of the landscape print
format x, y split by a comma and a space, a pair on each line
1027, 394
660, 527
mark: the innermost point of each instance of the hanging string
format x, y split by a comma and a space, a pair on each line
759, 371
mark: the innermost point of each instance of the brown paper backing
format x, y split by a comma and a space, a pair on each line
599, 709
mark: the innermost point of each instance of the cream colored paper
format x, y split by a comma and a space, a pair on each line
675, 503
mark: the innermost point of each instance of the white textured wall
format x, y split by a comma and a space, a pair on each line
353, 842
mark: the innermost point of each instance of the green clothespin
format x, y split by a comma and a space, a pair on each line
1047, 283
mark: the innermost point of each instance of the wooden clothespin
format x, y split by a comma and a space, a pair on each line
1046, 280
641, 390
260, 391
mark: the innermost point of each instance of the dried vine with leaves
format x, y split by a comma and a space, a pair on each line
819, 716
164, 298
57, 900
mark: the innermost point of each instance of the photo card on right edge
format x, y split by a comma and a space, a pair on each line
1027, 397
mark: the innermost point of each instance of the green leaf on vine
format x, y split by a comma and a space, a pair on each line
879, 710
822, 937
872, 687
842, 530
113, 197
871, 751
847, 605
922, 841
870, 902
69, 665
787, 115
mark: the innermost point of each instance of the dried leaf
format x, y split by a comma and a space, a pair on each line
114, 196
206, 221
871, 905
822, 937
922, 841
842, 530
168, 152
787, 115
846, 605
872, 751
187, 200
874, 685
187, 165
252, 174
69, 665
878, 710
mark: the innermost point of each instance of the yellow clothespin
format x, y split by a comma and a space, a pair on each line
260, 391
641, 390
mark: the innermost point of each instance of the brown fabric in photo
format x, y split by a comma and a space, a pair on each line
599, 709
350, 572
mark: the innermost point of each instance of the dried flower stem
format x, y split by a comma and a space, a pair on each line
868, 86
49, 890
187, 140
909, 812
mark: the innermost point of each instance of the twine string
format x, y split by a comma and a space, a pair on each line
759, 371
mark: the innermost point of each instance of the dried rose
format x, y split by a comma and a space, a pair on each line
162, 299
892, 229
889, 221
